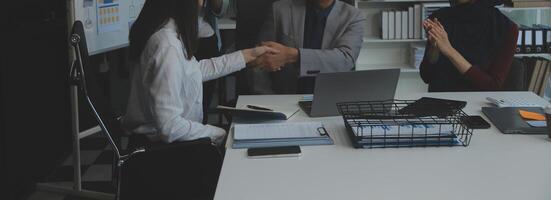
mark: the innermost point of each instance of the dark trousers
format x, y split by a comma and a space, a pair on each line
170, 171
208, 48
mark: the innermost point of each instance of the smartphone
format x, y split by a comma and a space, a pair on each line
475, 122
271, 152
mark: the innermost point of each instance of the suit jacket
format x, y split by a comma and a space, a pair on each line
342, 41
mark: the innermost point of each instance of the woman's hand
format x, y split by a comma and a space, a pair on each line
432, 51
438, 37
254, 53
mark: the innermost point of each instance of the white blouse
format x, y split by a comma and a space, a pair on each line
166, 93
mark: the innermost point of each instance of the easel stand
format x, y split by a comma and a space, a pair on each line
75, 78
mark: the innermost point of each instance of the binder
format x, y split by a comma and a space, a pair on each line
543, 71
546, 38
417, 21
391, 26
528, 39
384, 25
280, 134
545, 79
520, 40
530, 65
398, 24
404, 25
538, 38
535, 76
411, 20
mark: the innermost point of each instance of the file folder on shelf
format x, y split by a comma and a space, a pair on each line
538, 34
528, 41
546, 38
520, 41
280, 134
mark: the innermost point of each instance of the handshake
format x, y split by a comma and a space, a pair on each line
270, 56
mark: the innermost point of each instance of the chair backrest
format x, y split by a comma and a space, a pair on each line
89, 86
516, 80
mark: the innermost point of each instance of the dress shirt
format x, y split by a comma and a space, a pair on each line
314, 25
166, 94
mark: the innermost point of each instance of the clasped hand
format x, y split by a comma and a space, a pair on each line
275, 60
437, 36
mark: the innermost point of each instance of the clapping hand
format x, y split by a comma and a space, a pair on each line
437, 36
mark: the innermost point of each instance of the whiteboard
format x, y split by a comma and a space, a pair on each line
107, 22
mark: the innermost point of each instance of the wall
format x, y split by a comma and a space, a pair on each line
35, 104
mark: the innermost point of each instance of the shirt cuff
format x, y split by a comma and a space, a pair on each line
473, 73
305, 67
236, 60
217, 135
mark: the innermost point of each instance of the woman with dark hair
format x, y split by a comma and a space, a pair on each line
165, 101
470, 47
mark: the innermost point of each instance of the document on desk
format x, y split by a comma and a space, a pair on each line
280, 134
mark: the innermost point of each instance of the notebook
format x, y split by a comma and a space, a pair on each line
276, 112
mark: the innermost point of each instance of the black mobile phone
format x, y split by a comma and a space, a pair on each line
475, 122
268, 152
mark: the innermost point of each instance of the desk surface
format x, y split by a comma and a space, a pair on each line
493, 166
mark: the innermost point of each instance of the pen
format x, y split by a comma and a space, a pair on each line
258, 108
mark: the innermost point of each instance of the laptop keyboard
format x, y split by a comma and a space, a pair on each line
306, 106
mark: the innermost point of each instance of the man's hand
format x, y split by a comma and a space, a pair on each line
275, 60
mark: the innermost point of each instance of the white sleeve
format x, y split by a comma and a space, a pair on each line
165, 104
220, 66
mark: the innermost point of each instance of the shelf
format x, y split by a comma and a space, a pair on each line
404, 68
379, 40
510, 9
543, 55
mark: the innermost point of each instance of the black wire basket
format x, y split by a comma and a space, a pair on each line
403, 123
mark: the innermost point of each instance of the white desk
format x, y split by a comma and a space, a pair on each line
494, 167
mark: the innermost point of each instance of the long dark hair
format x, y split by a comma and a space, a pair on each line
155, 14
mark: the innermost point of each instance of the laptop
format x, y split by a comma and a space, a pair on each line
509, 121
333, 88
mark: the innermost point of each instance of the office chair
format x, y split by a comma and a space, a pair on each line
516, 80
160, 171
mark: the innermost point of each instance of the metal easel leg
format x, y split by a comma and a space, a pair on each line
76, 139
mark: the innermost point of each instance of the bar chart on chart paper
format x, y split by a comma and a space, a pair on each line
107, 23
109, 16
